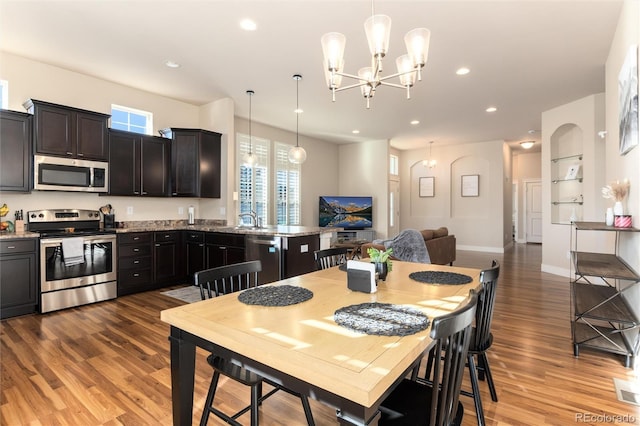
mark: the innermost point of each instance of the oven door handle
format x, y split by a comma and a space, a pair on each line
52, 242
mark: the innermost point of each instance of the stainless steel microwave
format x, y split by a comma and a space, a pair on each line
70, 174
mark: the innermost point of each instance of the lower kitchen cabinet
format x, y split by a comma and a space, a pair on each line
167, 258
194, 253
135, 271
298, 255
18, 277
223, 249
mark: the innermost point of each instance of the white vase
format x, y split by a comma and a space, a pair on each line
609, 217
617, 209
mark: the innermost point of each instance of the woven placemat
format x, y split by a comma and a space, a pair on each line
381, 319
282, 295
440, 277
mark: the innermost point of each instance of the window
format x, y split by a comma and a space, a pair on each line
287, 189
131, 120
4, 94
254, 181
393, 165
280, 201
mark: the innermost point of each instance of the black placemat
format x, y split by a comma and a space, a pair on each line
440, 277
282, 295
382, 319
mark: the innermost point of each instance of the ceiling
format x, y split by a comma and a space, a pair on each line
525, 57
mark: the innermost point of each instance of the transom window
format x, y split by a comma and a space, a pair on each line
393, 165
131, 119
4, 94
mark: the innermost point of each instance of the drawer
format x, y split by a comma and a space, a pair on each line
134, 237
221, 239
137, 250
194, 237
134, 262
134, 277
161, 237
18, 246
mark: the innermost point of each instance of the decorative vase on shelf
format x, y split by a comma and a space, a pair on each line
617, 209
608, 218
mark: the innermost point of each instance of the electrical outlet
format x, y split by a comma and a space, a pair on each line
180, 210
129, 210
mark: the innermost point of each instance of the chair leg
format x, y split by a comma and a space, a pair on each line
429, 367
307, 410
209, 401
475, 389
487, 370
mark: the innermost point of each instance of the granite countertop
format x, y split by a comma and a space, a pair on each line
201, 225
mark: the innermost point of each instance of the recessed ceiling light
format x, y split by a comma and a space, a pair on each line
463, 71
172, 64
415, 122
248, 24
355, 132
491, 109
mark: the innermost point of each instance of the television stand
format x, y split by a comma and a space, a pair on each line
356, 235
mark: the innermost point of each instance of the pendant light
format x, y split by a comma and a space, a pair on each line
429, 162
297, 154
250, 158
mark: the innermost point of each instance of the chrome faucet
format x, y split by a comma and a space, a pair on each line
255, 220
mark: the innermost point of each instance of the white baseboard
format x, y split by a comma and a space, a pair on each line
563, 272
481, 248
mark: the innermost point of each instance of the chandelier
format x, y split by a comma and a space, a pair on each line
297, 154
378, 29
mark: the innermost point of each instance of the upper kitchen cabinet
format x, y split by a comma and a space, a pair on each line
15, 151
139, 164
195, 163
69, 132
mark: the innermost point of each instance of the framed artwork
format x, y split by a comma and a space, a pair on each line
628, 101
573, 172
427, 186
470, 185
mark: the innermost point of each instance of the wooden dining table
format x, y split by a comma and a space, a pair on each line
301, 346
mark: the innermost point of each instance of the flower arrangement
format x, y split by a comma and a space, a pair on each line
617, 190
379, 256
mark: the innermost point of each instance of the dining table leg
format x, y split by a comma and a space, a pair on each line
183, 362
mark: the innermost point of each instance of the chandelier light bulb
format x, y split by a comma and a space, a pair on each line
297, 155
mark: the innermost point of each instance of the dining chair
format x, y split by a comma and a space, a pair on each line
435, 401
217, 282
330, 257
482, 338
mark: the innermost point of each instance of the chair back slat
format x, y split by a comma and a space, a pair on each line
452, 335
227, 279
328, 258
486, 303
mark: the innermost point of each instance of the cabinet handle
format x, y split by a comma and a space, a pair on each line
136, 250
135, 262
136, 238
69, 153
136, 192
80, 155
157, 245
136, 275
167, 236
200, 245
144, 192
11, 247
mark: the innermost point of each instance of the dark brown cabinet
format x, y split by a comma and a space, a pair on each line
167, 257
135, 269
298, 257
195, 163
139, 164
69, 132
18, 277
223, 249
15, 151
194, 253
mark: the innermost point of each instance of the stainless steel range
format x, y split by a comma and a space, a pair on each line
78, 263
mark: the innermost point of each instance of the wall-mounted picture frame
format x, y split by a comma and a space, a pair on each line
470, 185
628, 101
427, 186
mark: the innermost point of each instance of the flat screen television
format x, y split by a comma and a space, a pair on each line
345, 212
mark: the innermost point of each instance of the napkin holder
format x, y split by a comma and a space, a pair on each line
361, 276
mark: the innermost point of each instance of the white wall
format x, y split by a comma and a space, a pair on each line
478, 222
526, 167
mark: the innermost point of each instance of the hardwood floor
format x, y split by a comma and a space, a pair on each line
108, 363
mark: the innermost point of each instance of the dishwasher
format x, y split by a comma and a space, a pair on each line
267, 249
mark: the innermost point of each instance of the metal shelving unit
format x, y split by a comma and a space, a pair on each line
602, 318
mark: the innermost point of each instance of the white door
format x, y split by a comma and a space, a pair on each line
533, 211
394, 208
